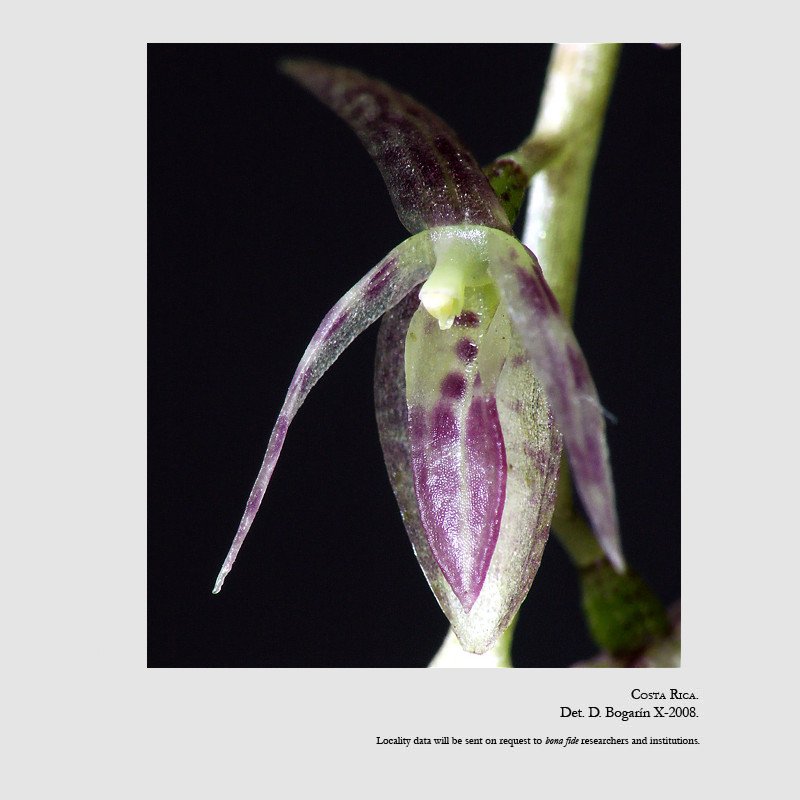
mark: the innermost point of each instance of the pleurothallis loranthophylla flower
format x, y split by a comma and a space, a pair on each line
478, 376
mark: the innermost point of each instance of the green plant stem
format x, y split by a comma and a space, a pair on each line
569, 125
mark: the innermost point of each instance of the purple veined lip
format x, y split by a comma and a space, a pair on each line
495, 434
457, 449
459, 469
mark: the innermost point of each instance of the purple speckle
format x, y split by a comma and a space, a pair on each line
416, 423
383, 270
328, 328
380, 280
304, 380
532, 292
519, 360
579, 369
281, 426
517, 406
444, 428
337, 323
466, 350
590, 462
548, 293
538, 456
453, 386
467, 319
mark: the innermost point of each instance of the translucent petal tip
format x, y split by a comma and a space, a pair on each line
614, 556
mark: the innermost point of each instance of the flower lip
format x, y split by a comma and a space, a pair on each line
442, 303
460, 263
457, 448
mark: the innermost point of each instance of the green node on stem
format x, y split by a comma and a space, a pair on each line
623, 614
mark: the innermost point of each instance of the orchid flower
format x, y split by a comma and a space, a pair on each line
478, 376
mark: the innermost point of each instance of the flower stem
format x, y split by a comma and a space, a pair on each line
570, 121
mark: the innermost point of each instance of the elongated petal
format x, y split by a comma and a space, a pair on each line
380, 289
532, 454
432, 178
561, 367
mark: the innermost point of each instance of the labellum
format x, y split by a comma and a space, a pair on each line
472, 453
478, 377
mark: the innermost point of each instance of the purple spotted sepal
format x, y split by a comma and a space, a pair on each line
472, 453
432, 178
471, 417
380, 289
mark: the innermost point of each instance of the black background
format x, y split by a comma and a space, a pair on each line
263, 209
